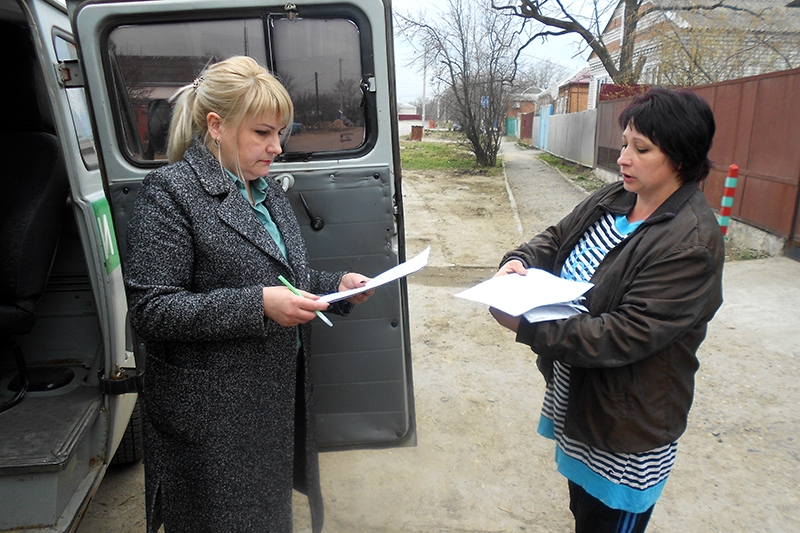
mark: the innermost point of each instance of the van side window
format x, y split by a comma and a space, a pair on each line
318, 60
150, 62
78, 106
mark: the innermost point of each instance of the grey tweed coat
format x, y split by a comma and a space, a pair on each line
227, 400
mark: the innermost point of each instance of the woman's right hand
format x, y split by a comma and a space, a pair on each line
288, 309
514, 265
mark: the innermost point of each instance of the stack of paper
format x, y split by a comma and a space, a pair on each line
538, 296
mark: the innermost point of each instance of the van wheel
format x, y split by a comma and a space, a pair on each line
131, 447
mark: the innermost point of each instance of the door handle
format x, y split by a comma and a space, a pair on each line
316, 222
285, 180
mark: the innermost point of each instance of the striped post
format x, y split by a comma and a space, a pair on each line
727, 198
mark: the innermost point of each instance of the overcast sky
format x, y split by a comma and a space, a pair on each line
558, 50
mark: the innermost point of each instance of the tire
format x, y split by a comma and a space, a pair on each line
131, 448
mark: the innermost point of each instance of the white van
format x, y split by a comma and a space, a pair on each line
87, 87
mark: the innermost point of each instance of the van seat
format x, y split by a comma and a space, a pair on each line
34, 186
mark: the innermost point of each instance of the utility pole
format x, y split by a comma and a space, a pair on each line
424, 83
316, 88
341, 93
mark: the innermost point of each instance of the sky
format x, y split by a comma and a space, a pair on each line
558, 50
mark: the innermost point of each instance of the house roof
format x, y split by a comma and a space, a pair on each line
404, 108
525, 94
584, 75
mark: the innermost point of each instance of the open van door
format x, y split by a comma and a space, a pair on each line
65, 402
340, 167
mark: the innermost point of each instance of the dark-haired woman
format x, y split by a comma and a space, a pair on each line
620, 378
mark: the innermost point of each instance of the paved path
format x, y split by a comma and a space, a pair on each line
541, 195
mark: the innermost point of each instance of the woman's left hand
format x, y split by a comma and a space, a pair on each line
353, 280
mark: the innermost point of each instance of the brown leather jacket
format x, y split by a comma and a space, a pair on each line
633, 356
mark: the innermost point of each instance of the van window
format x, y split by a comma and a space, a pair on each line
318, 60
79, 109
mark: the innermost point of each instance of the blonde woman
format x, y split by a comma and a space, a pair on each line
228, 412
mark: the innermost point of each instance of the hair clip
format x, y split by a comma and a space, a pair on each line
196, 83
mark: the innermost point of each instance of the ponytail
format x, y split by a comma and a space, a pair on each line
181, 129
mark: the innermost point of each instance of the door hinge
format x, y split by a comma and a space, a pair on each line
123, 381
69, 73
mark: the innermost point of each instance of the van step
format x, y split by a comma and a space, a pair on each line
41, 432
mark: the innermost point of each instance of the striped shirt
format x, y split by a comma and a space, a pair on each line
627, 481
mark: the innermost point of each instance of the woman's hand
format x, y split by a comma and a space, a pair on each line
515, 265
288, 309
353, 280
505, 320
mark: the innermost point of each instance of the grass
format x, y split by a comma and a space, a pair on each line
743, 254
437, 155
578, 174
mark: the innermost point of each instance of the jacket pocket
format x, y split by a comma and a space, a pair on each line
175, 400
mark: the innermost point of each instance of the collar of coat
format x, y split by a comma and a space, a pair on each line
208, 168
234, 209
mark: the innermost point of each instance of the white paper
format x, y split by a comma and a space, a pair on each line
515, 294
401, 270
553, 312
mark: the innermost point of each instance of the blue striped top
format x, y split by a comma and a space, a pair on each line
628, 481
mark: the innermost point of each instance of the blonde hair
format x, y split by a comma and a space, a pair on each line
233, 88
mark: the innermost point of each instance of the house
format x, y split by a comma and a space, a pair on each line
568, 95
689, 42
522, 101
573, 93
407, 112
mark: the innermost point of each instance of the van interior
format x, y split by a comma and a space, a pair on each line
51, 405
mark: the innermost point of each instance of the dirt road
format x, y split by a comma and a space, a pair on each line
479, 465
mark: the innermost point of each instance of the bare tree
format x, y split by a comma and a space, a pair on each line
559, 19
471, 50
538, 75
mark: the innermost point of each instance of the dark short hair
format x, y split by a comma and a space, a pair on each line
680, 123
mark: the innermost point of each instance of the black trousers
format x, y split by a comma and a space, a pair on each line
593, 516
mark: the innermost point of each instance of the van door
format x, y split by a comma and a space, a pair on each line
340, 167
62, 334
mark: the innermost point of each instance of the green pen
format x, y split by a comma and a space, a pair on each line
291, 288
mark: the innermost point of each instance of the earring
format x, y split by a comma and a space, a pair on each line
216, 143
